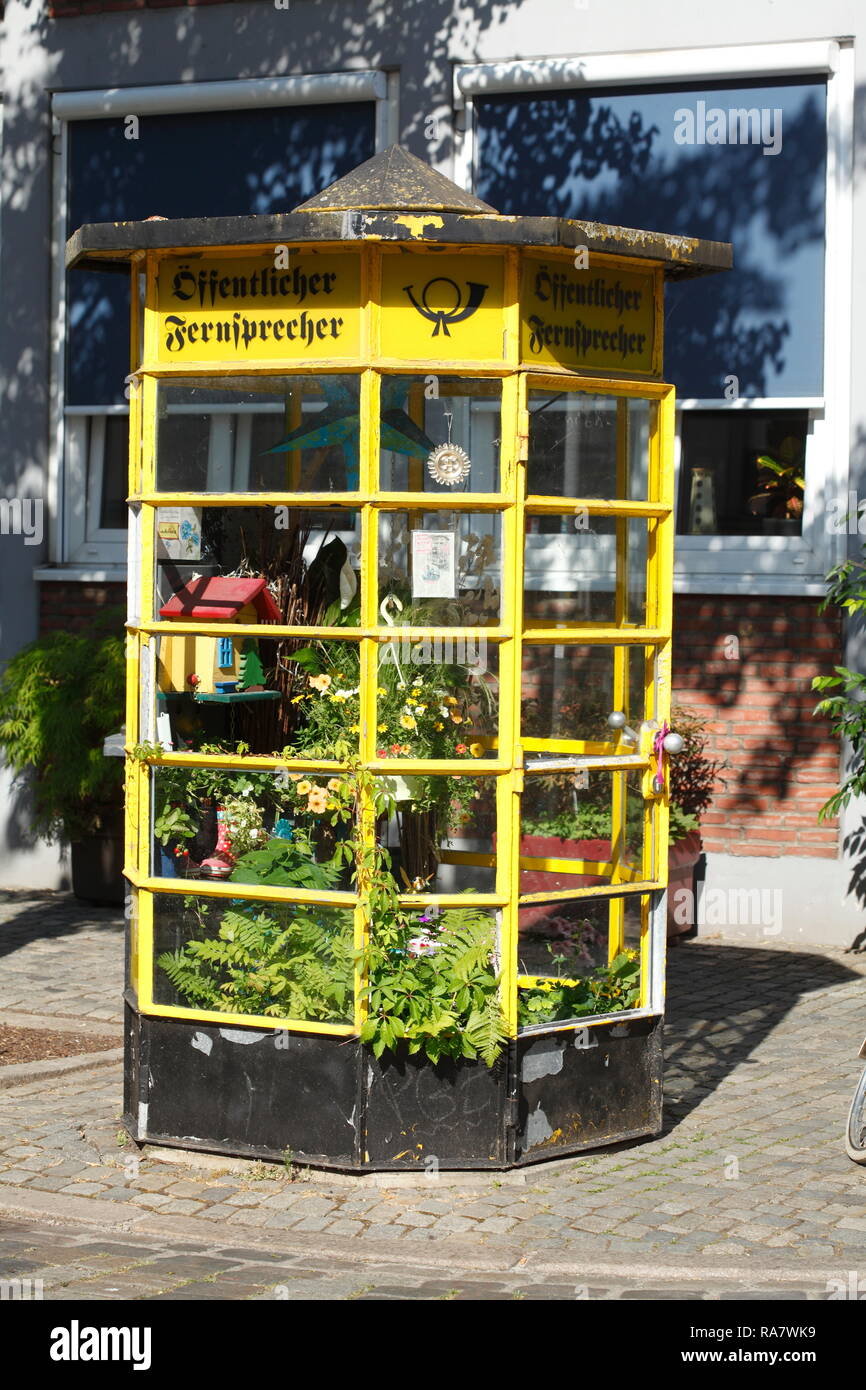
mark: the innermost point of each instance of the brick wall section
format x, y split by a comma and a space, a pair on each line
781, 763
71, 607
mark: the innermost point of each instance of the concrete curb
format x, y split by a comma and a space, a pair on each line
455, 1254
62, 1023
20, 1073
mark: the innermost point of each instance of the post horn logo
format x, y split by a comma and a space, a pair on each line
434, 305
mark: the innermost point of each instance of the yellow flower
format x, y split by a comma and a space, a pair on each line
381, 728
449, 700
355, 729
438, 726
476, 749
381, 690
318, 801
320, 683
303, 788
334, 784
407, 722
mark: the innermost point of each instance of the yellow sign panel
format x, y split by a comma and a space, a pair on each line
442, 307
599, 319
257, 308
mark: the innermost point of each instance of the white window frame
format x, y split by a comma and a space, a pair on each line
77, 546
735, 564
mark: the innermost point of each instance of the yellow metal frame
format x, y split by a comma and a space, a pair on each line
508, 761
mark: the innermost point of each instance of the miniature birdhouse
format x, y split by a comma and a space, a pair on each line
197, 664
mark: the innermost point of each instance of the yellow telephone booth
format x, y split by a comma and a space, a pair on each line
401, 546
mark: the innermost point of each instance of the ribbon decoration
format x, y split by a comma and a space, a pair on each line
659, 753
384, 609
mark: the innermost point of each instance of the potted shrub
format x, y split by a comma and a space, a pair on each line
60, 697
692, 779
781, 481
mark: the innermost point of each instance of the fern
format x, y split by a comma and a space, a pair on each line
286, 962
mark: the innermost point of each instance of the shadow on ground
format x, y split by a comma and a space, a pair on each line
723, 1002
45, 916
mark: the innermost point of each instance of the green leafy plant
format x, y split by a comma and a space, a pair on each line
781, 482
64, 673
286, 864
846, 708
693, 773
607, 990
432, 985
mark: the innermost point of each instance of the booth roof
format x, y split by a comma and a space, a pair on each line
392, 197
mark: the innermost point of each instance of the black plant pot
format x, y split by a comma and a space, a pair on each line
97, 863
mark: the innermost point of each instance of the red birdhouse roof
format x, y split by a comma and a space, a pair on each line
220, 599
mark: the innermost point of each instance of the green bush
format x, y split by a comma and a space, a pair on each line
59, 698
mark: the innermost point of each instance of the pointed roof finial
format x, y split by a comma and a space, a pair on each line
394, 181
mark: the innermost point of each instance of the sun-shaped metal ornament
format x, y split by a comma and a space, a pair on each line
448, 464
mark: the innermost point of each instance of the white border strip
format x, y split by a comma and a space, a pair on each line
629, 69
314, 89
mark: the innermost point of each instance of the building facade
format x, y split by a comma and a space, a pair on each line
742, 124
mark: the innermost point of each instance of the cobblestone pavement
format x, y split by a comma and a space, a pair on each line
747, 1189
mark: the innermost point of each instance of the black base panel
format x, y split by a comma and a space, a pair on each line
450, 1115
589, 1087
248, 1091
329, 1103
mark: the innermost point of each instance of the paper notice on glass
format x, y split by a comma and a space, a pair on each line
434, 564
178, 533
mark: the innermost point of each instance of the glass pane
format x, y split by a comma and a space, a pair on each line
284, 698
270, 159
573, 816
248, 825
565, 937
571, 568
567, 691
278, 959
583, 445
437, 699
440, 569
258, 434
115, 474
564, 959
420, 414
326, 681
743, 472
438, 822
309, 559
741, 163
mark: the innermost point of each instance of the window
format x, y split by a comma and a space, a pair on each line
180, 163
747, 158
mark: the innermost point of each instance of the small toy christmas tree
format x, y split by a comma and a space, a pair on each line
252, 675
